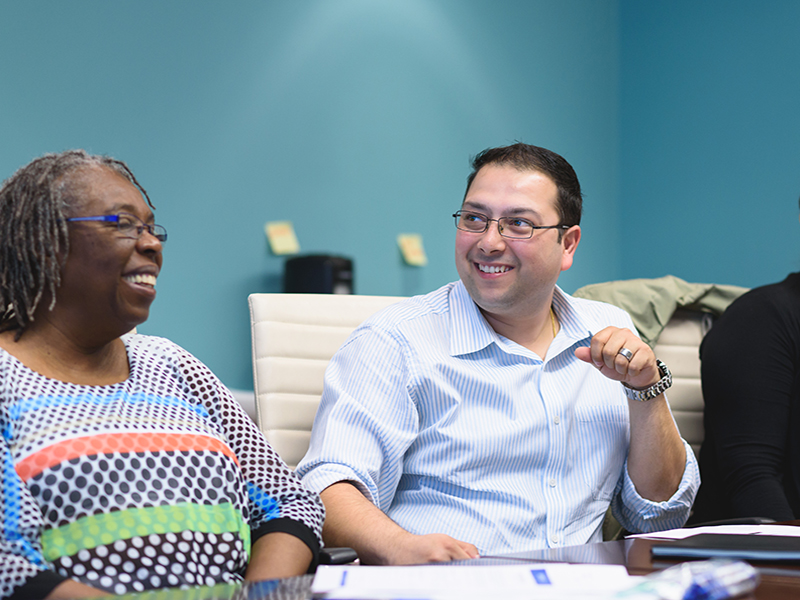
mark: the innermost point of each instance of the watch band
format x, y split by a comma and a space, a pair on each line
658, 388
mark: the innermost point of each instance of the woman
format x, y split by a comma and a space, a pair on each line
126, 464
750, 458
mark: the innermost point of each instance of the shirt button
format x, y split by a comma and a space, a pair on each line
556, 419
554, 539
552, 483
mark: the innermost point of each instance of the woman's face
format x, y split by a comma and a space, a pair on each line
108, 281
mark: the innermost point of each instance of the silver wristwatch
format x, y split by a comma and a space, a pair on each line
658, 388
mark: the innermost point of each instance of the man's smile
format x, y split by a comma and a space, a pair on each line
492, 268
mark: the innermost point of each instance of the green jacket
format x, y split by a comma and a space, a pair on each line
652, 302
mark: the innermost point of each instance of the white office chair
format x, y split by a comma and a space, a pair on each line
294, 337
679, 347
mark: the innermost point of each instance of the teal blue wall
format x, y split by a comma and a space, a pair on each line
354, 119
710, 139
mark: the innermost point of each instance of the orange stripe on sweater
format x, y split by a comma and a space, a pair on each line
108, 443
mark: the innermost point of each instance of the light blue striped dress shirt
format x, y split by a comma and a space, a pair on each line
451, 428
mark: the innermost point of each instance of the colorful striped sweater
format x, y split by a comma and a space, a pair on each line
159, 481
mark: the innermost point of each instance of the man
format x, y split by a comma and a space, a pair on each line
493, 415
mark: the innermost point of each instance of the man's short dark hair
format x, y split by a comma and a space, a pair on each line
525, 157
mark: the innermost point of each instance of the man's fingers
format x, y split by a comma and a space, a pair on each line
598, 344
584, 353
616, 341
438, 547
471, 551
619, 354
461, 551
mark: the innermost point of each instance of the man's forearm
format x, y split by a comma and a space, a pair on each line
353, 521
657, 456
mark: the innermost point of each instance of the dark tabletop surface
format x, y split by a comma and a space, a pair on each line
778, 582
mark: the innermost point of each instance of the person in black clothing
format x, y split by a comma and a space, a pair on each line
750, 458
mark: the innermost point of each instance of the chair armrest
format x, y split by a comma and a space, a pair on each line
337, 556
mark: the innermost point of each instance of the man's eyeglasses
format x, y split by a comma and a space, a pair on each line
129, 225
513, 228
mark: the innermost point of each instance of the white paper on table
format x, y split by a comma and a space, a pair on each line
679, 534
442, 582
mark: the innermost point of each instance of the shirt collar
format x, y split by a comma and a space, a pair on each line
471, 332
575, 328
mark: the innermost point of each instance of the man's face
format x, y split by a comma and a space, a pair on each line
508, 279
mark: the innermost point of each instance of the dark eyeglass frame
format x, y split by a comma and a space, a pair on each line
500, 224
157, 231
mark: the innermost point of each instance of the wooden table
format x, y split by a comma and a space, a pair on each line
778, 582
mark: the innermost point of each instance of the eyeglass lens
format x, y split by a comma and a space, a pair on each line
131, 226
511, 227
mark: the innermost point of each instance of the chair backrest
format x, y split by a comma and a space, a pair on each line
679, 347
294, 337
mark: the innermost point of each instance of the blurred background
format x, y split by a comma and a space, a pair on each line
356, 120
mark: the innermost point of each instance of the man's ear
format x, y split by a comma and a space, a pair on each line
569, 242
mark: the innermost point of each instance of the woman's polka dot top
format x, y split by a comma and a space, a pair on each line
159, 481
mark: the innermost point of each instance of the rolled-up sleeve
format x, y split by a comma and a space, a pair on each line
639, 515
366, 420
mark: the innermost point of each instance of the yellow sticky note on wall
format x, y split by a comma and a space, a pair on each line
282, 239
412, 250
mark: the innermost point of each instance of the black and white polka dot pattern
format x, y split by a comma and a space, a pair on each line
168, 560
100, 478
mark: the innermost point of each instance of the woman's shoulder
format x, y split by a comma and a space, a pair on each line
781, 296
152, 344
764, 315
150, 353
158, 352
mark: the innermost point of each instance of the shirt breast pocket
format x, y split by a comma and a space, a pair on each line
603, 438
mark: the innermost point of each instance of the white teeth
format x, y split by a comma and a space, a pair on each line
142, 278
490, 269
